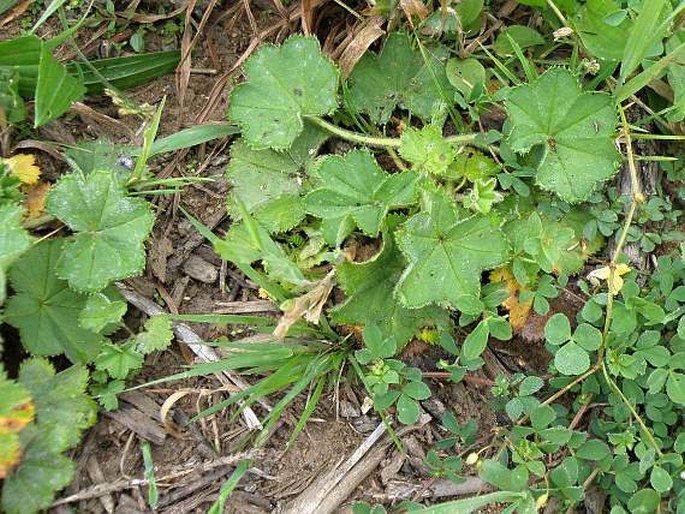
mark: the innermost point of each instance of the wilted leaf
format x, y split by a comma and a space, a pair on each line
307, 306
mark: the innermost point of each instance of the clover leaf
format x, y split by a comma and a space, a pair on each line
398, 76
109, 227
285, 84
447, 252
45, 310
575, 128
354, 188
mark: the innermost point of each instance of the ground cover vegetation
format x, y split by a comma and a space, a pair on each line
434, 191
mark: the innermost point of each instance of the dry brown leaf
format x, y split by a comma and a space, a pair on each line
413, 8
518, 311
308, 306
36, 197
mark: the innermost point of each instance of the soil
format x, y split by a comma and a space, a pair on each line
192, 461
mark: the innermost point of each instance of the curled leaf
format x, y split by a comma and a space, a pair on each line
307, 306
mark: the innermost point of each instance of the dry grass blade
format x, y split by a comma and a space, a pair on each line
358, 42
149, 18
15, 12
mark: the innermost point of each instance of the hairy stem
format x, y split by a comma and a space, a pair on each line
380, 142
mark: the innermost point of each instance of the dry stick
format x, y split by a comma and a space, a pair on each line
195, 343
120, 485
324, 495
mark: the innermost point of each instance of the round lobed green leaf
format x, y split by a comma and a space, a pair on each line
285, 84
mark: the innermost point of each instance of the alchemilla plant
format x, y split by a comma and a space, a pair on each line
473, 230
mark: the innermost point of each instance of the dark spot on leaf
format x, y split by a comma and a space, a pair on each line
297, 91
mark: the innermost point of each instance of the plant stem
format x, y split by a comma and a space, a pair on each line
380, 142
635, 414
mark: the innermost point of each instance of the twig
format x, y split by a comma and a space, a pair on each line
324, 495
120, 485
195, 344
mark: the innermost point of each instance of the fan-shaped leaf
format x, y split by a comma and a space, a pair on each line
399, 76
575, 128
109, 227
356, 189
447, 252
285, 84
45, 310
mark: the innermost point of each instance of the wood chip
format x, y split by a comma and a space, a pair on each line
199, 269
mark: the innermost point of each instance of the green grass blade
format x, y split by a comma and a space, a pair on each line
228, 487
468, 505
642, 79
527, 66
49, 11
148, 139
124, 72
648, 30
149, 475
223, 319
192, 136
312, 402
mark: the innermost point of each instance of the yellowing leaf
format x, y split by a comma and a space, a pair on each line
16, 411
23, 166
518, 310
614, 280
34, 204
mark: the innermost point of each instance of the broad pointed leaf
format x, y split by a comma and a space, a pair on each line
55, 90
285, 84
356, 188
447, 252
109, 227
370, 300
575, 128
399, 76
45, 310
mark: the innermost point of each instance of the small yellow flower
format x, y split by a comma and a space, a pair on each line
23, 166
615, 282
